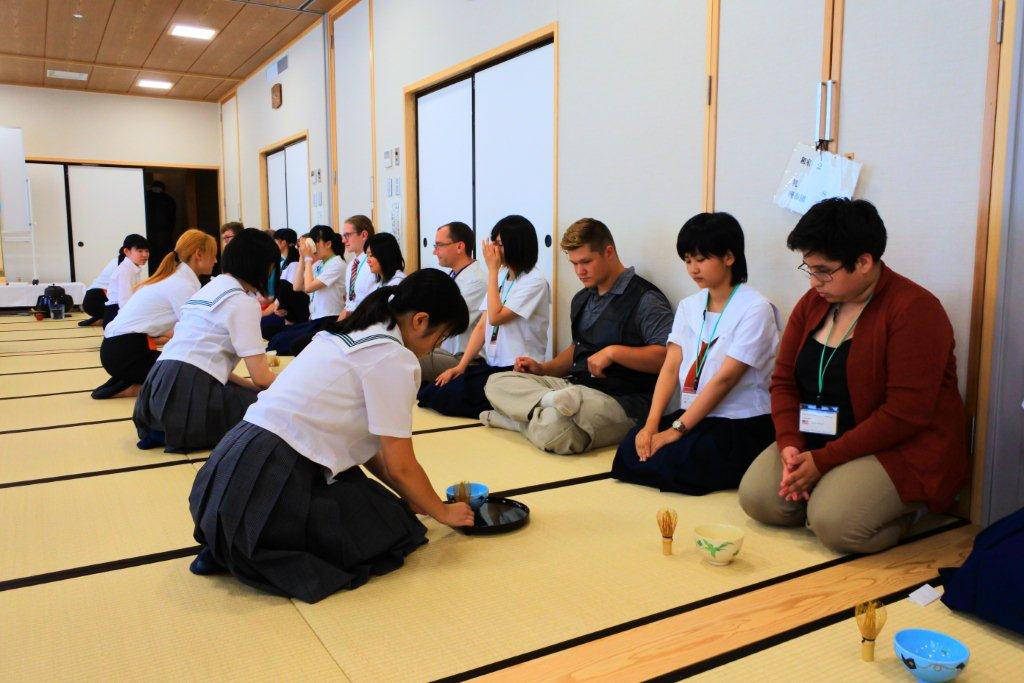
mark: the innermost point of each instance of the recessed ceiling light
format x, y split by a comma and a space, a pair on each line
183, 31
159, 85
78, 15
70, 75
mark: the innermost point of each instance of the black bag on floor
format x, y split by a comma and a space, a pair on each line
54, 294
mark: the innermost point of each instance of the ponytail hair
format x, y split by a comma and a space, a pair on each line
324, 233
288, 236
190, 242
427, 291
132, 241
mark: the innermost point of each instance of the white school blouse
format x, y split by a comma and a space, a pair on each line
219, 325
122, 282
365, 282
335, 400
748, 332
472, 282
529, 297
155, 308
291, 273
393, 282
328, 301
102, 280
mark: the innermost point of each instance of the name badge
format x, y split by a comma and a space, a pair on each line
686, 399
819, 419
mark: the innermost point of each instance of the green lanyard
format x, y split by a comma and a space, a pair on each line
319, 268
494, 332
822, 363
703, 357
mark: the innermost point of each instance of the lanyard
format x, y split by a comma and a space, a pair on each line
352, 282
703, 357
494, 328
319, 268
822, 363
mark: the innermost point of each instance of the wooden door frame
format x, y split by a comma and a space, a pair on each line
273, 148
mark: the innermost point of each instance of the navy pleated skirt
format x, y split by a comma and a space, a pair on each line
712, 457
189, 405
268, 515
463, 396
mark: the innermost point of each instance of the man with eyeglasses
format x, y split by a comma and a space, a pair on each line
454, 247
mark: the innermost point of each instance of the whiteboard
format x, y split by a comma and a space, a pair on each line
514, 128
296, 161
14, 211
50, 222
229, 128
106, 204
352, 96
277, 191
444, 133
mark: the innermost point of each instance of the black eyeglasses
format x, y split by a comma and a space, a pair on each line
443, 244
820, 275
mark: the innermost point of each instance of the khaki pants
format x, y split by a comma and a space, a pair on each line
853, 507
600, 422
436, 362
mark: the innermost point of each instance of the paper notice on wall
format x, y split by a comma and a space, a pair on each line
812, 175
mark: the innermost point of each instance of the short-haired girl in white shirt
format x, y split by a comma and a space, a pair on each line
192, 397
130, 271
324, 281
384, 259
515, 321
150, 315
283, 502
720, 357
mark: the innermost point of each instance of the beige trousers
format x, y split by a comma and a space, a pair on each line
853, 507
436, 362
600, 422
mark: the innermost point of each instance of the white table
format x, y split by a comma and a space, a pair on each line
23, 294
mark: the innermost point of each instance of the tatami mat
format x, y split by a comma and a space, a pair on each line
59, 344
22, 334
590, 558
156, 623
85, 379
49, 361
833, 653
47, 411
74, 450
66, 524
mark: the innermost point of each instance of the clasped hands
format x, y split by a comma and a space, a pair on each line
799, 474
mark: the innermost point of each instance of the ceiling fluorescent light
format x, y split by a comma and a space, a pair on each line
159, 85
70, 75
183, 31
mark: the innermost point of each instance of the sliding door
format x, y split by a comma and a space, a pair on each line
296, 162
354, 127
50, 222
229, 146
277, 191
106, 204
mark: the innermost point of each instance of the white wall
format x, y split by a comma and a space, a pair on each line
304, 108
631, 94
71, 124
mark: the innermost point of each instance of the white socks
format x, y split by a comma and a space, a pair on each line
492, 418
566, 401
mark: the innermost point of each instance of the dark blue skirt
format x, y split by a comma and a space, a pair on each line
464, 395
268, 515
712, 457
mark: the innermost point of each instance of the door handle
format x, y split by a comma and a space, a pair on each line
81, 244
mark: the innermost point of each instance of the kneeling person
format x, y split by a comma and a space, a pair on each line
595, 390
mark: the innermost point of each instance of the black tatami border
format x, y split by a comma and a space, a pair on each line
675, 611
37, 372
100, 568
62, 426
70, 336
55, 393
45, 352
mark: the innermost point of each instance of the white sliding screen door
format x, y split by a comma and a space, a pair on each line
352, 97
50, 222
229, 128
296, 162
444, 120
770, 67
106, 204
277, 191
514, 137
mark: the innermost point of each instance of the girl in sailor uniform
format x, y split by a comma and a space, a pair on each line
192, 397
283, 502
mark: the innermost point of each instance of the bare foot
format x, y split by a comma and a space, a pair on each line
130, 392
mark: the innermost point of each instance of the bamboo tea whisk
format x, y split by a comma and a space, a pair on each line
870, 620
462, 492
667, 523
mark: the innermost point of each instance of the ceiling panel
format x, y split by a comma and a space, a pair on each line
23, 27
242, 38
112, 80
297, 26
220, 91
21, 71
179, 54
70, 38
193, 87
133, 29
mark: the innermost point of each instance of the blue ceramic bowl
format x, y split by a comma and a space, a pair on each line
477, 494
930, 655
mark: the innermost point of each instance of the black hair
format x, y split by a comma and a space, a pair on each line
460, 232
714, 234
519, 239
325, 233
427, 291
253, 258
288, 236
841, 230
158, 183
132, 241
387, 252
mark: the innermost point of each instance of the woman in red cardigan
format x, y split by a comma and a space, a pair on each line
870, 428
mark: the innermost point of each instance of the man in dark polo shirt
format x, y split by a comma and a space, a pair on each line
598, 387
